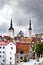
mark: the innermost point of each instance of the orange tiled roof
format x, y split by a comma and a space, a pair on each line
26, 40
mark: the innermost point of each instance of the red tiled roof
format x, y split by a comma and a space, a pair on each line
3, 43
18, 43
7, 37
26, 40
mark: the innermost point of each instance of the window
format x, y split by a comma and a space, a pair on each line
3, 47
17, 61
3, 56
11, 47
0, 55
10, 62
21, 52
3, 51
10, 52
2, 64
3, 60
10, 44
27, 44
10, 58
21, 61
21, 57
17, 57
0, 47
0, 51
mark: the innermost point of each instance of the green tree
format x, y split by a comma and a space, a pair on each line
9, 39
25, 59
38, 48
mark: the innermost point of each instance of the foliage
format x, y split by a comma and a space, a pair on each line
38, 48
9, 38
33, 47
25, 59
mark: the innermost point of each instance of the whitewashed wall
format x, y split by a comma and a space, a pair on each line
10, 53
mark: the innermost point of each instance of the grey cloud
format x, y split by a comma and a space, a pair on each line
21, 22
3, 3
28, 7
36, 8
3, 27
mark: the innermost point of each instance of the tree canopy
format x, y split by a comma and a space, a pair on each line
38, 48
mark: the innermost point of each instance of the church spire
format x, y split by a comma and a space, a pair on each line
30, 29
11, 26
30, 25
11, 30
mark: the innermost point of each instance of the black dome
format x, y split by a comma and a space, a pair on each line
11, 28
30, 28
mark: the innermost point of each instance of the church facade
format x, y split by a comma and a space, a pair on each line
23, 49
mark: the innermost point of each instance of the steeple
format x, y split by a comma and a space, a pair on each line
11, 30
11, 26
30, 25
11, 22
30, 29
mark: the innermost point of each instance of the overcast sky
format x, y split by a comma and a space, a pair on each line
20, 11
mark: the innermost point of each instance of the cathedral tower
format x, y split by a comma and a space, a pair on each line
30, 29
11, 30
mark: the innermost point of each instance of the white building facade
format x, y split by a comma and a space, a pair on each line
7, 53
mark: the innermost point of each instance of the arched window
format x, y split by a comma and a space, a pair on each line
21, 52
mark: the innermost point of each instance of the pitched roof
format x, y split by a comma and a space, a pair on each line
7, 37
3, 43
26, 40
36, 39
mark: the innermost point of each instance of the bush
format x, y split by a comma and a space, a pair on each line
38, 48
25, 59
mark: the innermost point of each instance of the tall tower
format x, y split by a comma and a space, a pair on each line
30, 29
11, 30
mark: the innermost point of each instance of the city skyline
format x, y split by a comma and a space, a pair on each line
20, 11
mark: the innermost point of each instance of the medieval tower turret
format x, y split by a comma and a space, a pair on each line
11, 30
30, 29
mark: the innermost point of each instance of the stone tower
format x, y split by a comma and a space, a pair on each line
30, 29
11, 30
